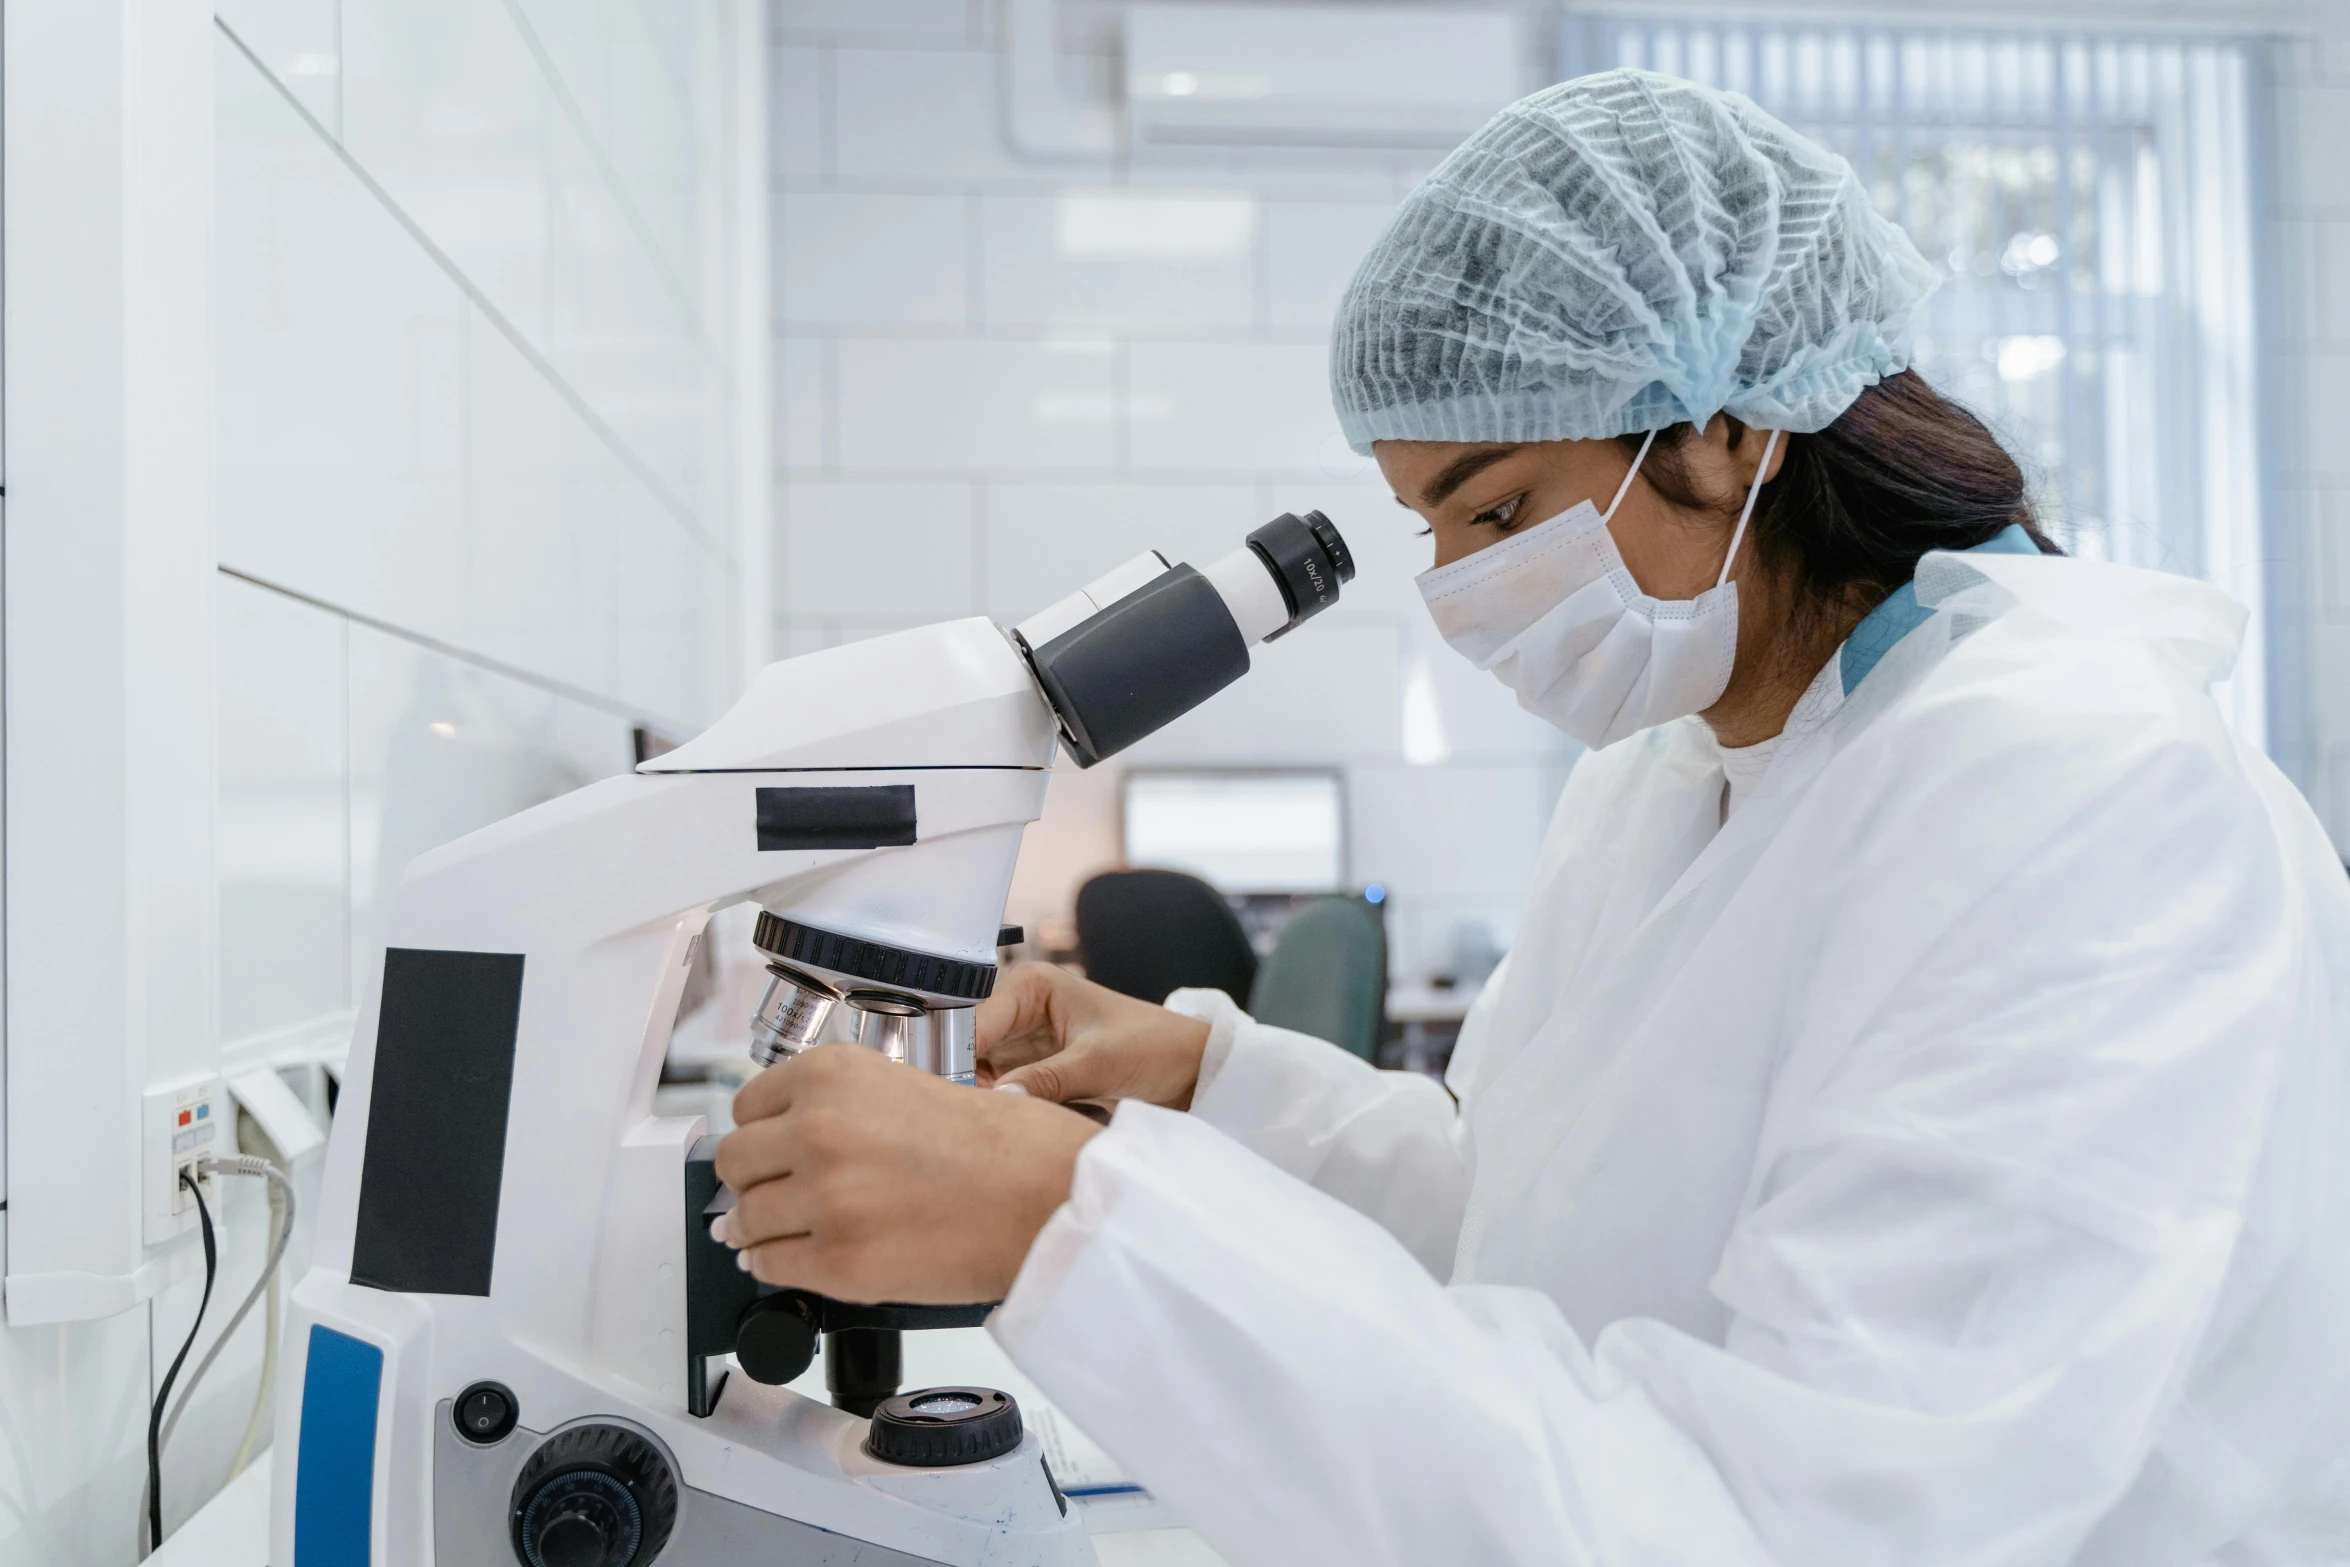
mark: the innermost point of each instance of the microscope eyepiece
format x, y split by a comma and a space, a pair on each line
1308, 561
1138, 649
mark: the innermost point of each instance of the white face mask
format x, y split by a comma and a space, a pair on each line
1553, 611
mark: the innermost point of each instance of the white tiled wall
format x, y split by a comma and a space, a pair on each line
476, 383
476, 357
998, 377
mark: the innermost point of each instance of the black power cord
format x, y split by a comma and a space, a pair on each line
163, 1393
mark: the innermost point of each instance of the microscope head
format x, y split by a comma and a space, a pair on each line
965, 702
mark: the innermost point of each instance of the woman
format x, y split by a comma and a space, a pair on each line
1910, 1126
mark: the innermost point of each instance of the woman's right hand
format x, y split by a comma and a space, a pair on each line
1048, 1033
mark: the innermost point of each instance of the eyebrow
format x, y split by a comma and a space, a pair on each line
1460, 471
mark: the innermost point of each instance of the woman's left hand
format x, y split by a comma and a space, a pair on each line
864, 1180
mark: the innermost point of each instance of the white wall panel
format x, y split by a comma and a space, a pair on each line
798, 125
975, 406
284, 848
445, 108
1311, 249
913, 21
300, 42
340, 373
845, 258
1225, 406
628, 72
902, 551
1097, 256
625, 333
542, 495
667, 663
921, 117
803, 410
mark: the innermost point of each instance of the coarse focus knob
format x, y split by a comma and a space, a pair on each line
938, 1427
593, 1496
777, 1339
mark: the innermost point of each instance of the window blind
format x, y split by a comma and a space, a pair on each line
2090, 200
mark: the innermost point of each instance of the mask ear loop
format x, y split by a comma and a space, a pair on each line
1747, 511
1629, 475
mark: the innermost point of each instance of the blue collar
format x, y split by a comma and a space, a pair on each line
1901, 613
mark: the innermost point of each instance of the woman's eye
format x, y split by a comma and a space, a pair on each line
1500, 516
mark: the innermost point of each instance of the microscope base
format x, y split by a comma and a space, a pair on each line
472, 1497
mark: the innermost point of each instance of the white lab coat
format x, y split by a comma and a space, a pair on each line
1945, 1160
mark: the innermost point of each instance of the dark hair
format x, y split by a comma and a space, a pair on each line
1902, 471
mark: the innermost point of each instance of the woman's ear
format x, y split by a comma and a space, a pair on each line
1746, 449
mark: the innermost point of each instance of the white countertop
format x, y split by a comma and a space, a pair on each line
1422, 1003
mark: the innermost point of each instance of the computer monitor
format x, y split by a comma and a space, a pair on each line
1243, 832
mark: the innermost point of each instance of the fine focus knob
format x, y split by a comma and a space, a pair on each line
938, 1427
593, 1496
579, 1534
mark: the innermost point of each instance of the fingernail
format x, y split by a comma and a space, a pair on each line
1012, 1088
742, 1260
721, 1230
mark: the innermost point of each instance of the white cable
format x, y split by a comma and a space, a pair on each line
280, 1188
259, 1418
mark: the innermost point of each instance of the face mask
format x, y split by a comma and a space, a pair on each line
1554, 613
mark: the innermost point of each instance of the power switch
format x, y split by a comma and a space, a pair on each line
485, 1413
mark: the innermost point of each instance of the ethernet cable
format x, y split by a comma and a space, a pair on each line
281, 1197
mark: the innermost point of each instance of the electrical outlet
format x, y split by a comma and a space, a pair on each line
185, 1121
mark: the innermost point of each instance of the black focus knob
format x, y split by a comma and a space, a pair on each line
593, 1496
776, 1340
580, 1533
938, 1427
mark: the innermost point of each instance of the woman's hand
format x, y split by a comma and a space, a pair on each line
1048, 1033
865, 1180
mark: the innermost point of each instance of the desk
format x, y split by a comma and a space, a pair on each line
232, 1530
1431, 1019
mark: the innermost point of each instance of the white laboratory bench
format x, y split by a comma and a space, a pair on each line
232, 1530
1430, 1016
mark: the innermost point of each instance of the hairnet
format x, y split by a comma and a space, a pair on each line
1620, 253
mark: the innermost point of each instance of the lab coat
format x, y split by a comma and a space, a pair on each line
1945, 1159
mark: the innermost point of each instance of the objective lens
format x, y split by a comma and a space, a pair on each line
789, 1018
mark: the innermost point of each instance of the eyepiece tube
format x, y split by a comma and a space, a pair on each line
1289, 571
1143, 661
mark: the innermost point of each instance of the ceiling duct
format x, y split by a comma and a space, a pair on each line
1415, 77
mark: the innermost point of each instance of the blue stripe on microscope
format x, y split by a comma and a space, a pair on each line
334, 1473
1101, 1490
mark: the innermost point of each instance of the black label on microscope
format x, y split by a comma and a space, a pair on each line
875, 816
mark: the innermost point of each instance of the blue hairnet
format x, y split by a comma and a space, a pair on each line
1620, 253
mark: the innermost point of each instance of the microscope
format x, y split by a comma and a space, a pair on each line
518, 1342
